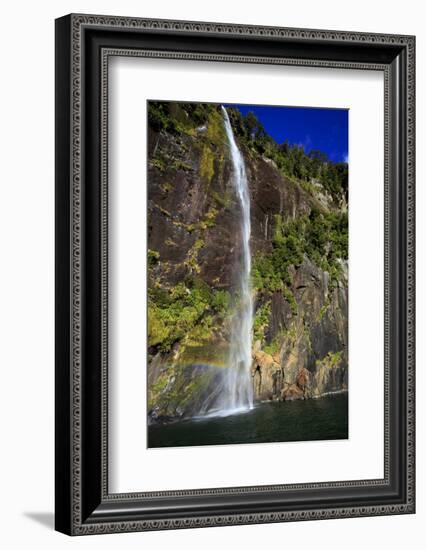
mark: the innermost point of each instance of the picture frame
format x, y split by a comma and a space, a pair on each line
84, 44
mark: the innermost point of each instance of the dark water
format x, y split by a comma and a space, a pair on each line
314, 419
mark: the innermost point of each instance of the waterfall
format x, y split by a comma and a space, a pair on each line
238, 391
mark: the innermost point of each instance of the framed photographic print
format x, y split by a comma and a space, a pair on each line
234, 274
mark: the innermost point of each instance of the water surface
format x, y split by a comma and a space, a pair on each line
314, 419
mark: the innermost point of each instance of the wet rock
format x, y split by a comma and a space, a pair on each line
267, 376
292, 393
303, 382
183, 391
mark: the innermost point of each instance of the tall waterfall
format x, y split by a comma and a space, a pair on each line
238, 393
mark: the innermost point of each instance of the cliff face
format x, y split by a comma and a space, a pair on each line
312, 354
299, 281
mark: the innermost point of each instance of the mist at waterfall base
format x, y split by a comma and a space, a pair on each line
283, 421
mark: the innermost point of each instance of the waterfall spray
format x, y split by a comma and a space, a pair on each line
238, 393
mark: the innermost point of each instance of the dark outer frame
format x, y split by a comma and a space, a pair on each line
83, 45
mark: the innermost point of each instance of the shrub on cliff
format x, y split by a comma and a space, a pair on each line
174, 314
322, 237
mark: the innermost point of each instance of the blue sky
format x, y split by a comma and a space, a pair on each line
314, 128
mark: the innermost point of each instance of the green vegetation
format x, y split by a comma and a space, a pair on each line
213, 144
184, 118
183, 313
166, 187
215, 128
207, 163
274, 346
199, 112
153, 257
289, 296
322, 237
159, 163
323, 310
192, 256
178, 164
157, 389
261, 320
169, 116
207, 221
223, 200
176, 389
331, 360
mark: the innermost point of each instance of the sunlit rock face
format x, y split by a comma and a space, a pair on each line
300, 324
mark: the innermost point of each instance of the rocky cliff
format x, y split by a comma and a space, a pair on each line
299, 255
